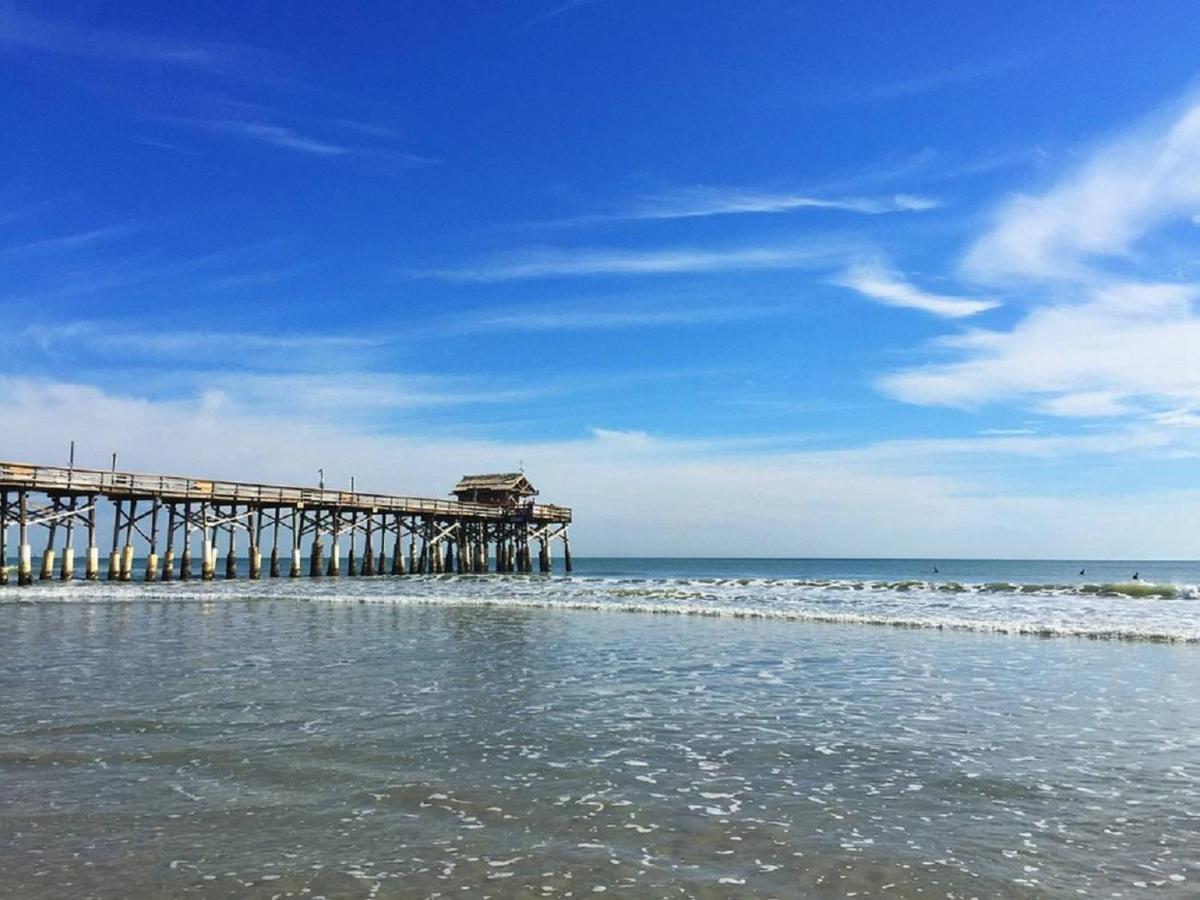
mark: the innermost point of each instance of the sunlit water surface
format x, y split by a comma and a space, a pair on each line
533, 737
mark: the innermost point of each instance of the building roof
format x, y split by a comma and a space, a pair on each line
511, 482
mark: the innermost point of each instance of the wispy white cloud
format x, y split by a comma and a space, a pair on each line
21, 30
703, 201
555, 11
1126, 346
65, 242
127, 338
291, 138
593, 316
929, 82
884, 285
547, 262
206, 64
1097, 341
1123, 191
276, 135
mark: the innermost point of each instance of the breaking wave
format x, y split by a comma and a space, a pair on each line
1121, 611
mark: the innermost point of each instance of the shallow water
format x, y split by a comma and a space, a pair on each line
480, 737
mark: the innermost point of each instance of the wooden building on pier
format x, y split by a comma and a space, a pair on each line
509, 490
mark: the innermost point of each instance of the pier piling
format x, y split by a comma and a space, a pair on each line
185, 559
25, 561
3, 537
168, 568
92, 571
47, 572
152, 556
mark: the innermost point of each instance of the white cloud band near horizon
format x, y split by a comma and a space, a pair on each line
635, 493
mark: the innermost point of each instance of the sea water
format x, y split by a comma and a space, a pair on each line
680, 728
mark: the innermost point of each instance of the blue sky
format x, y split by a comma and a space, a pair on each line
765, 278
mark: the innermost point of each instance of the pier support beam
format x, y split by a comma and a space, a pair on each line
185, 560
127, 550
566, 552
275, 570
316, 554
3, 537
152, 557
47, 572
335, 561
382, 569
208, 562
114, 557
66, 568
369, 547
231, 551
254, 530
398, 546
92, 570
25, 561
168, 569
294, 570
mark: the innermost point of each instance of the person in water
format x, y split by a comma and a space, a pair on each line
1135, 575
1081, 571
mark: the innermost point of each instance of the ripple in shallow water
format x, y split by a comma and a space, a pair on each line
276, 747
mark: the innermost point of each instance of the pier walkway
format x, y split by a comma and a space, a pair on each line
497, 527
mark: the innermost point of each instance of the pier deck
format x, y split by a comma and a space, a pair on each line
443, 535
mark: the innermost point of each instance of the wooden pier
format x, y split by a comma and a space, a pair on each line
493, 523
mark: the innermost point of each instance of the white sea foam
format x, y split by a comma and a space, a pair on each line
1127, 611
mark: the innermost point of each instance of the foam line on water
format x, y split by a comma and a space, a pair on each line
1117, 611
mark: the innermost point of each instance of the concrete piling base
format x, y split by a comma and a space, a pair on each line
275, 562
92, 572
152, 567
294, 571
127, 563
168, 569
255, 564
25, 566
114, 565
66, 571
47, 572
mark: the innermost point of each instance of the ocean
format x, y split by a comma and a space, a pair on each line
644, 728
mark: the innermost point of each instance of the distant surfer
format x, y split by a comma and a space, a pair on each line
1081, 571
1135, 575
935, 570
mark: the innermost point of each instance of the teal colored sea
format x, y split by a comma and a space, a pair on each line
640, 728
